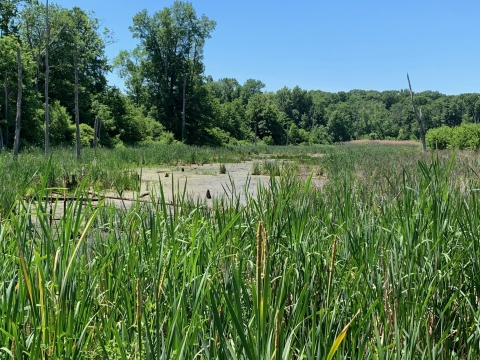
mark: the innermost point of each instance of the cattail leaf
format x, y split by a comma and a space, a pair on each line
340, 338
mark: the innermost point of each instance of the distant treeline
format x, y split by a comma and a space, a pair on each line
169, 98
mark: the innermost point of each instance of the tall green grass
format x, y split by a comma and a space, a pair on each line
392, 237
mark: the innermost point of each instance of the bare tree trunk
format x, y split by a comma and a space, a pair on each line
19, 105
47, 71
95, 125
96, 131
419, 117
77, 116
5, 87
183, 109
256, 125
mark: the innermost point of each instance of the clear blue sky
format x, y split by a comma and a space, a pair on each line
325, 44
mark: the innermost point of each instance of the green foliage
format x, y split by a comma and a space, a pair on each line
168, 60
278, 275
170, 56
86, 135
339, 124
262, 116
256, 168
319, 135
61, 129
268, 140
31, 106
465, 136
439, 138
70, 29
217, 137
8, 17
167, 138
298, 136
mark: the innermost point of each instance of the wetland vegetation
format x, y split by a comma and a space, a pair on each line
390, 241
358, 252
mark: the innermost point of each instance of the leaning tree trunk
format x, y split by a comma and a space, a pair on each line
419, 117
77, 116
47, 71
16, 143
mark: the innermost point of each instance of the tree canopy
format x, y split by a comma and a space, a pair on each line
169, 96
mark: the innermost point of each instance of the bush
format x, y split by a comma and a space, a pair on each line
319, 135
217, 137
403, 134
439, 138
167, 138
61, 131
268, 140
86, 135
465, 136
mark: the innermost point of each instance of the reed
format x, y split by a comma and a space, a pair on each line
382, 262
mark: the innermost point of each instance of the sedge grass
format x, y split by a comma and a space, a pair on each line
393, 234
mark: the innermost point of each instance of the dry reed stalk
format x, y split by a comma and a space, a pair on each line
264, 253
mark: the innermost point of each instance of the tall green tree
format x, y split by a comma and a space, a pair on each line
31, 107
339, 125
9, 16
168, 63
70, 30
250, 88
263, 118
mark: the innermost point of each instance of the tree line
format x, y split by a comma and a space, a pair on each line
168, 96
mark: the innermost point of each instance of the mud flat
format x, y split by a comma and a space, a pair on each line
200, 178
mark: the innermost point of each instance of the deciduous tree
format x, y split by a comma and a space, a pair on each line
168, 60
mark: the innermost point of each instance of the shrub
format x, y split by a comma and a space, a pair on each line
86, 135
439, 138
167, 138
217, 137
268, 140
319, 135
465, 136
61, 131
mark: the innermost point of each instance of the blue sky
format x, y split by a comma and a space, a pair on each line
325, 44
